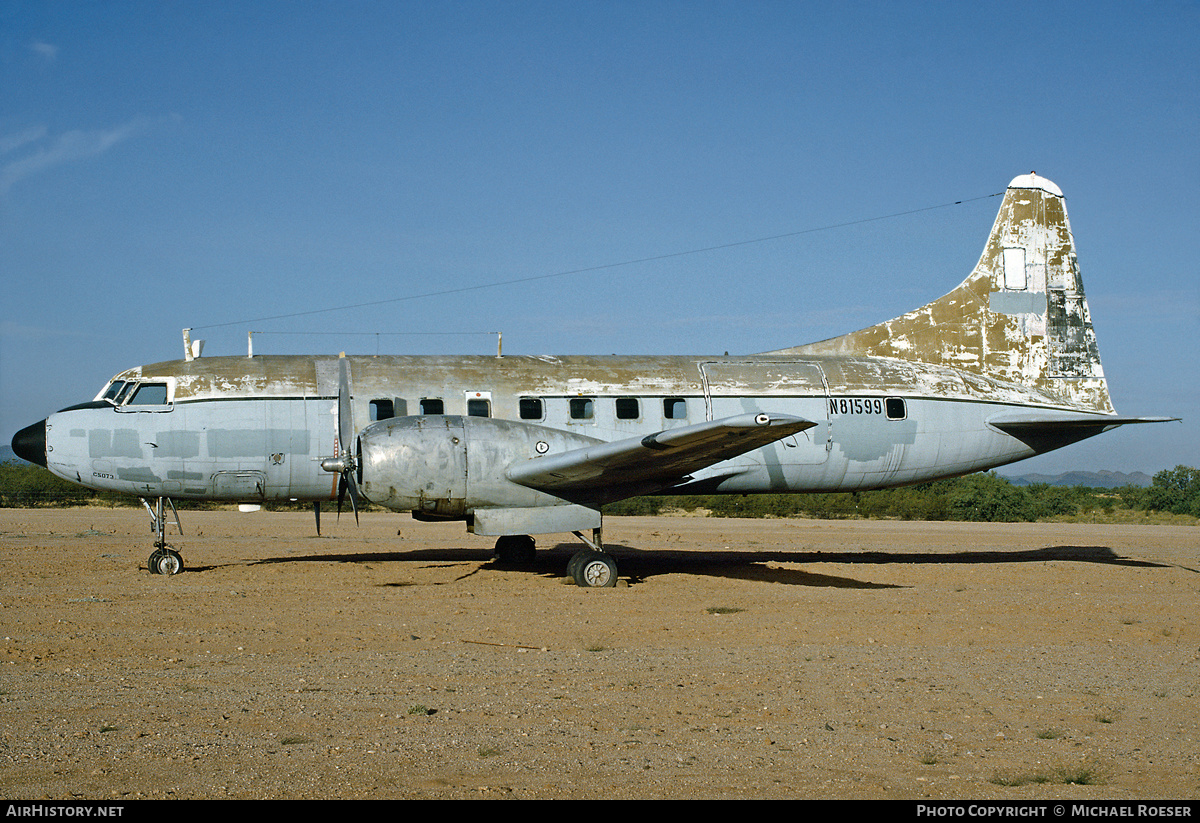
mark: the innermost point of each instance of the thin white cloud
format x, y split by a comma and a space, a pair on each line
12, 142
45, 154
46, 51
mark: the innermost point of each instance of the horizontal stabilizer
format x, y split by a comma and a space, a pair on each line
643, 464
1045, 431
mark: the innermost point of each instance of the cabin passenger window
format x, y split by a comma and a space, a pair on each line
582, 408
531, 408
150, 394
382, 409
628, 408
432, 405
478, 408
675, 408
894, 406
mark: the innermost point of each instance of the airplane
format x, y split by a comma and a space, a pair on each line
1002, 368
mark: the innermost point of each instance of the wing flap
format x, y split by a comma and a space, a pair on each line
658, 459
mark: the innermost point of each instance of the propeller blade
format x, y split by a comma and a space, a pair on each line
344, 464
346, 483
353, 494
354, 474
317, 513
345, 415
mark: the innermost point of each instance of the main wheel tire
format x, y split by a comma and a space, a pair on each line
595, 570
165, 561
575, 560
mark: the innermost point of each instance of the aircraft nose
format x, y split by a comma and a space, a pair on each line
30, 443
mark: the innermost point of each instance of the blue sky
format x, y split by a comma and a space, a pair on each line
210, 164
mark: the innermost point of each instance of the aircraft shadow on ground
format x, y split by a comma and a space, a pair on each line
636, 564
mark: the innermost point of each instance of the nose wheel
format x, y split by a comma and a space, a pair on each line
164, 559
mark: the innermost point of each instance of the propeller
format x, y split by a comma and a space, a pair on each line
345, 465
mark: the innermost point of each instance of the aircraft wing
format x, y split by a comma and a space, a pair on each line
1047, 430
642, 464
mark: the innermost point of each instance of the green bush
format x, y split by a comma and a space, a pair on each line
24, 485
990, 498
978, 497
1175, 490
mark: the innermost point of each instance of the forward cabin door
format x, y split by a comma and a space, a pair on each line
288, 448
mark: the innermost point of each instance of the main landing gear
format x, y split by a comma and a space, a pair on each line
164, 559
591, 568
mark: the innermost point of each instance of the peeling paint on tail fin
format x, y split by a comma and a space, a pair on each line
1021, 317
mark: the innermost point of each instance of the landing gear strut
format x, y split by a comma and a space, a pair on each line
592, 568
164, 559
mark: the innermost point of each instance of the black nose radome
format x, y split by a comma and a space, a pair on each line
30, 443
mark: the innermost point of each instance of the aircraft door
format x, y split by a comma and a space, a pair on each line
288, 448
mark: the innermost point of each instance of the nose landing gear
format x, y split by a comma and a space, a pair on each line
164, 559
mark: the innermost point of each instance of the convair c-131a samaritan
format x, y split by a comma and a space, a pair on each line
1002, 368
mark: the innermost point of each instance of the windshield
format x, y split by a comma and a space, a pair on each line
113, 391
119, 393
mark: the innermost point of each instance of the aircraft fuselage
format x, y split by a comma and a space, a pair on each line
256, 429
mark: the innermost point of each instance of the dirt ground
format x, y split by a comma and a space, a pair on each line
738, 659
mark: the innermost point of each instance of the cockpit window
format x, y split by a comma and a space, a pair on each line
123, 393
113, 391
150, 394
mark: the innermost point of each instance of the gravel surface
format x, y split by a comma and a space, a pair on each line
738, 659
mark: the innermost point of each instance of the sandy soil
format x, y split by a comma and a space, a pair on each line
740, 659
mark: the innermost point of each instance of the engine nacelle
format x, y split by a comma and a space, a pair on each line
446, 466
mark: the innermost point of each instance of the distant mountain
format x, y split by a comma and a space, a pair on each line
1095, 480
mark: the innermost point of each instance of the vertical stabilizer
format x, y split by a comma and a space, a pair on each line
1021, 317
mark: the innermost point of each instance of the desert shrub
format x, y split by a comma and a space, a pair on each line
991, 498
1175, 490
1054, 501
24, 485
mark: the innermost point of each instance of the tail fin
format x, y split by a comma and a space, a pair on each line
1021, 317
